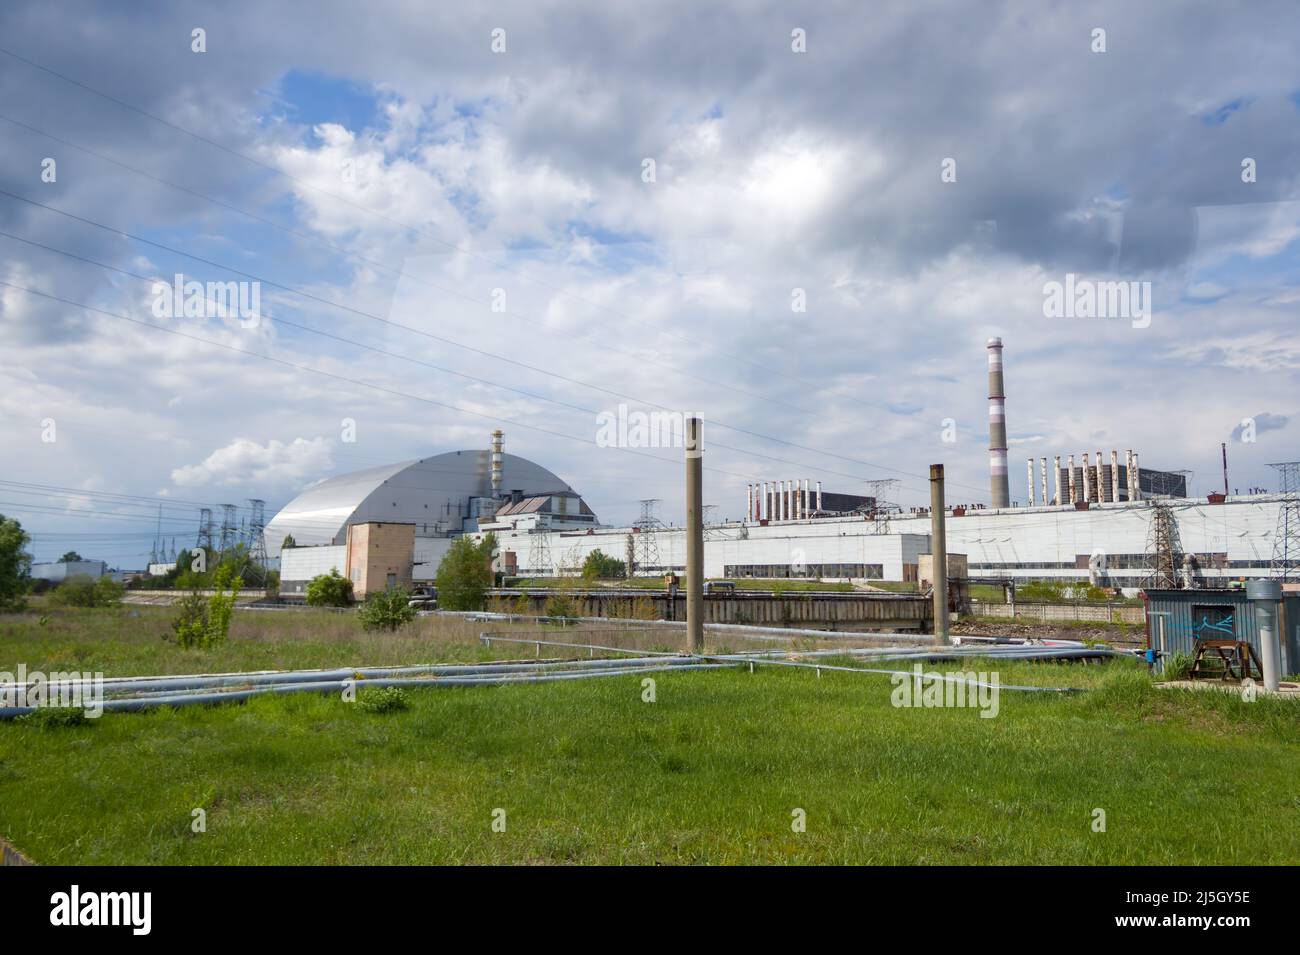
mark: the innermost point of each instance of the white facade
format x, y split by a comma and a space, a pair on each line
62, 570
1229, 540
830, 549
298, 565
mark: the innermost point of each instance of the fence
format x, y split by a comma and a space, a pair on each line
1096, 613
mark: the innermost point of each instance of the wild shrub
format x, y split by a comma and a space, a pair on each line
387, 610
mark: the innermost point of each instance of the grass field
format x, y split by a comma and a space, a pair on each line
587, 772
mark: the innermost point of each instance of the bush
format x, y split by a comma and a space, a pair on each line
108, 592
329, 590
81, 591
204, 623
387, 610
561, 605
388, 699
465, 574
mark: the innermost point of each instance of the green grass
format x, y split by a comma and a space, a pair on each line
587, 772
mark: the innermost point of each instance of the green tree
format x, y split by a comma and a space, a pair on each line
465, 574
600, 566
15, 564
288, 542
70, 557
329, 590
387, 610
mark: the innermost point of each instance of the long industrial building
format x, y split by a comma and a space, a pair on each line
1099, 520
1108, 543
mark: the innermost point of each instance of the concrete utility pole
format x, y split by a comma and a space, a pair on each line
939, 554
695, 534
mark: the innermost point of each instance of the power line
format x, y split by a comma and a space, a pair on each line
423, 333
356, 205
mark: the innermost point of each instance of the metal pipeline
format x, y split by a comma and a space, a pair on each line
338, 686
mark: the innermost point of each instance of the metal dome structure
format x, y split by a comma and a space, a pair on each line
437, 494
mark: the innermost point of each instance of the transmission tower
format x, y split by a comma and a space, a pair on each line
539, 551
159, 553
204, 540
227, 530
1164, 552
257, 537
647, 545
1285, 565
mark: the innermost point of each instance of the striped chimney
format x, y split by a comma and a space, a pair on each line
999, 484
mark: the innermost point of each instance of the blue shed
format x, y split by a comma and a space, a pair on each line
1176, 619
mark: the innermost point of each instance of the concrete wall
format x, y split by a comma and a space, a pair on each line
830, 611
1109, 613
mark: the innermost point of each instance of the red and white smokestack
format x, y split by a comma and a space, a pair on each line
999, 481
497, 458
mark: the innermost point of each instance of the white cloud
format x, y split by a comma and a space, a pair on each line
244, 462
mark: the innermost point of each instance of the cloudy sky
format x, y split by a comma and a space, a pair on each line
456, 229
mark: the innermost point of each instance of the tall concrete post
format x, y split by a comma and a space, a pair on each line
1114, 475
1043, 473
1074, 488
1087, 478
695, 534
999, 481
1099, 483
939, 554
1266, 595
1056, 497
1137, 478
1029, 480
